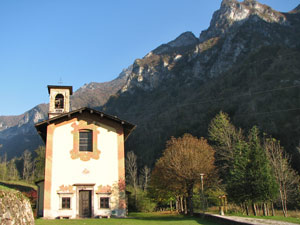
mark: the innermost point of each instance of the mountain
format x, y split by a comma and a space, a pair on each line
246, 64
96, 94
17, 133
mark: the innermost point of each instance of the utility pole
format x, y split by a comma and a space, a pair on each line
202, 193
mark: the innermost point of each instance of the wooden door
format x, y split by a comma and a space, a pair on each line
85, 204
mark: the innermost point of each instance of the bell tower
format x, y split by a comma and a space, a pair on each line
59, 100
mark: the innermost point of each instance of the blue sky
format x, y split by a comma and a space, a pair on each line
83, 41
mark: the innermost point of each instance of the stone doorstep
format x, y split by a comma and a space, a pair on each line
104, 216
64, 217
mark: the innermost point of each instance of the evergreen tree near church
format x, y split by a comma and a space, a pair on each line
262, 183
238, 181
242, 163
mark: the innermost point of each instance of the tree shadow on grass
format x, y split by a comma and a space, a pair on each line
19, 187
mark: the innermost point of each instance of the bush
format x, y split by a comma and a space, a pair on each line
144, 204
140, 202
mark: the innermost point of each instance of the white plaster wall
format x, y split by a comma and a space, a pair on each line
66, 171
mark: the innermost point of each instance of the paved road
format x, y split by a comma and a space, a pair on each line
255, 221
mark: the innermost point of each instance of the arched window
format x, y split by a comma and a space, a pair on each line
59, 101
86, 140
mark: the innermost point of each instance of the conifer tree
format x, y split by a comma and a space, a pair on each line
224, 135
262, 185
238, 181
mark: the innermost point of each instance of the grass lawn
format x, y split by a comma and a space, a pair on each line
134, 219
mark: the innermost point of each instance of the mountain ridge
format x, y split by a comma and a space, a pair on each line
17, 133
180, 86
168, 94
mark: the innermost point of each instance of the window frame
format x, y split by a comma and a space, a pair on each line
62, 204
86, 143
67, 204
84, 155
107, 198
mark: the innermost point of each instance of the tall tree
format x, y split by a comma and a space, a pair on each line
27, 165
145, 177
13, 173
185, 160
237, 184
262, 185
39, 163
164, 189
224, 135
286, 177
3, 167
132, 170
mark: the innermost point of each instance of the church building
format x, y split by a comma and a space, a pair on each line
85, 161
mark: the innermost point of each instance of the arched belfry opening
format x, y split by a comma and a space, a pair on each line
59, 100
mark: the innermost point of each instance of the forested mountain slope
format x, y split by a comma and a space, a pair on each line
246, 64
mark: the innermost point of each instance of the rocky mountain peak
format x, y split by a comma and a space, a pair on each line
183, 41
233, 12
296, 10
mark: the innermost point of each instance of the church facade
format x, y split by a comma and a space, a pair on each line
84, 168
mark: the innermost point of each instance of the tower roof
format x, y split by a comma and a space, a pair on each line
60, 87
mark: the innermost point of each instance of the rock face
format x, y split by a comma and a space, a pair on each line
233, 12
96, 94
236, 29
296, 10
15, 209
181, 85
149, 72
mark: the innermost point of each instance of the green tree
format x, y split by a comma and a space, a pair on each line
3, 168
27, 165
287, 178
238, 181
39, 163
262, 185
224, 136
13, 173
